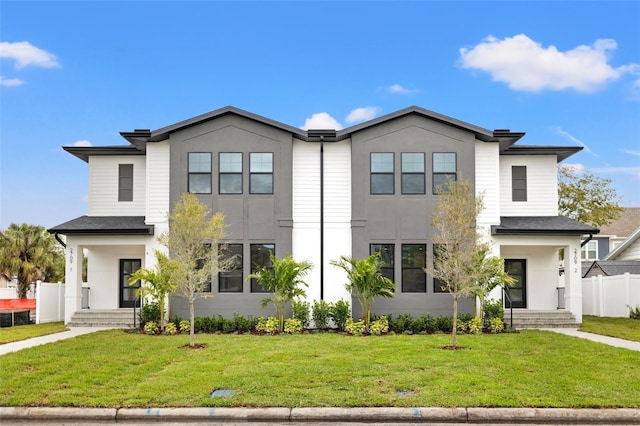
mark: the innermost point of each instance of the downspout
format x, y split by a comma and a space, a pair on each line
58, 239
321, 217
586, 241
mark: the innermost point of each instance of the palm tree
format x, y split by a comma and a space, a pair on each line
366, 281
157, 282
283, 279
26, 252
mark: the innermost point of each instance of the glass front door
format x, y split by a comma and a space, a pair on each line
517, 268
128, 293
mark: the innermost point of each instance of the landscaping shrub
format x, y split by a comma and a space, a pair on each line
465, 318
634, 313
429, 323
267, 325
444, 324
292, 326
493, 309
379, 326
151, 328
300, 311
355, 328
228, 326
242, 324
176, 321
401, 324
170, 329
149, 312
199, 324
474, 326
496, 325
320, 314
185, 326
339, 313
462, 326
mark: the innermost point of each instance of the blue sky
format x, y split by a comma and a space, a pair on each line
564, 72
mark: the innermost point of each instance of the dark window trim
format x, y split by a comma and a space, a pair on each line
221, 173
227, 273
403, 173
410, 268
454, 174
255, 286
391, 173
387, 271
251, 174
190, 173
125, 182
519, 180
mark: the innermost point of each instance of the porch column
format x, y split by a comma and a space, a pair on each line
573, 280
73, 272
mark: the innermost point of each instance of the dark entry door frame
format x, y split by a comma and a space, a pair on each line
517, 269
128, 297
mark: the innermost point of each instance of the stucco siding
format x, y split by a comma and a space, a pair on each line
103, 186
542, 184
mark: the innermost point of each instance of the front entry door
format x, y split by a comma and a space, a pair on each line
517, 268
128, 293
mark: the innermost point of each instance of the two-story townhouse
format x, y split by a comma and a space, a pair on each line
320, 194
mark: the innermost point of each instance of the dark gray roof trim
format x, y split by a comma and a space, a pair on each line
104, 225
83, 152
541, 225
563, 152
614, 267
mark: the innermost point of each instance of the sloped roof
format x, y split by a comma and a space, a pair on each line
541, 225
614, 267
624, 226
625, 244
104, 225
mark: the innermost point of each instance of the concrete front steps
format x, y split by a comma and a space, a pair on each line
523, 318
120, 318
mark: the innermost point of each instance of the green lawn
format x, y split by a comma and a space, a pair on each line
22, 332
116, 369
624, 328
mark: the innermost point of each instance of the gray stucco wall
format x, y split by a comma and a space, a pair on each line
404, 219
251, 218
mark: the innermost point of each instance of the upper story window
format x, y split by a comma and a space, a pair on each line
414, 279
518, 183
382, 173
199, 172
125, 182
444, 166
413, 173
261, 173
386, 256
230, 177
231, 281
590, 250
260, 256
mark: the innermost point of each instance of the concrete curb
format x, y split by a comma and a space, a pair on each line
626, 416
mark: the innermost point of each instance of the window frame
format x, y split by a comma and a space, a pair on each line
255, 286
518, 183
437, 173
199, 264
387, 270
422, 286
223, 173
238, 260
198, 173
374, 174
437, 283
125, 182
253, 173
584, 250
412, 173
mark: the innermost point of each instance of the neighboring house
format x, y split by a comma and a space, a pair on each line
609, 268
611, 236
628, 249
320, 194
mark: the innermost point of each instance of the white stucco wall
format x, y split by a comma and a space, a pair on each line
103, 186
542, 184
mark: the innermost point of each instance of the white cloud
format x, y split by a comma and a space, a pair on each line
630, 152
633, 171
321, 120
526, 65
10, 82
82, 143
572, 138
25, 54
361, 114
397, 89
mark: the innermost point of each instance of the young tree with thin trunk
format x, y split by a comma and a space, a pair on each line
194, 241
284, 280
455, 240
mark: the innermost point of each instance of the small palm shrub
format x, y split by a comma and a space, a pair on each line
170, 329
300, 311
292, 326
320, 312
339, 313
151, 328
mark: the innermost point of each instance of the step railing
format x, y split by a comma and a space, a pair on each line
505, 294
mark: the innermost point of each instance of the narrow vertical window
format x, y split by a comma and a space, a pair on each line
386, 255
382, 173
413, 173
518, 183
230, 169
261, 173
414, 279
260, 256
125, 182
444, 166
231, 281
199, 172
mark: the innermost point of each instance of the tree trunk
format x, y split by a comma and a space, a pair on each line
454, 331
192, 338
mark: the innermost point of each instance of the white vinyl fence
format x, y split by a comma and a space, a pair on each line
49, 302
610, 296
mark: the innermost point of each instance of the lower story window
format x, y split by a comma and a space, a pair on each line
439, 286
260, 256
231, 281
414, 279
386, 255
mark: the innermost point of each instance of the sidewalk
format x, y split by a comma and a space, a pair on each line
41, 340
611, 341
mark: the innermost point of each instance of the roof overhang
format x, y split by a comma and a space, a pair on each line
562, 152
83, 152
104, 225
541, 225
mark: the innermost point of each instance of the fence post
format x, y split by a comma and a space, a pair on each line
38, 300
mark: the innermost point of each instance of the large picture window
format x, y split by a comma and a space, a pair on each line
414, 279
199, 172
125, 182
444, 166
413, 173
230, 173
261, 173
386, 255
382, 173
260, 256
231, 281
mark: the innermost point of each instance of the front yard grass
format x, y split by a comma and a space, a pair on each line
116, 369
623, 328
22, 332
